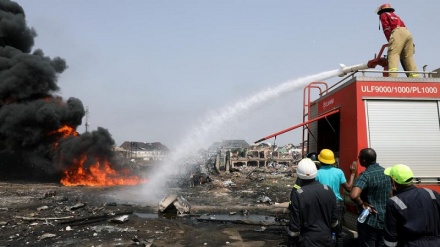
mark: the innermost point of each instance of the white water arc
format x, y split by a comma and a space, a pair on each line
201, 135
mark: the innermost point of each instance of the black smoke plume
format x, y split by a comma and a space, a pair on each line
31, 112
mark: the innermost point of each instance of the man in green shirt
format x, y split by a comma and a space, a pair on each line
371, 189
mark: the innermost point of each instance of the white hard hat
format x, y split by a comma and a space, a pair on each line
306, 169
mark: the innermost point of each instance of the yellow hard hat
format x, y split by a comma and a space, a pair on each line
400, 173
327, 156
384, 8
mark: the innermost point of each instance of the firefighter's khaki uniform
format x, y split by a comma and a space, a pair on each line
400, 41
401, 47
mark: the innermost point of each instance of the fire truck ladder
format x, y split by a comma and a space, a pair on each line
306, 110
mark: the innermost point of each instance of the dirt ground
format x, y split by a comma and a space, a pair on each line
48, 214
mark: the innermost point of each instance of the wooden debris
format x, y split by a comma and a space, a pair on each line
146, 242
120, 219
77, 206
262, 229
250, 173
46, 235
42, 208
43, 219
50, 194
174, 202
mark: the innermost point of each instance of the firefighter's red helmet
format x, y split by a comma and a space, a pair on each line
384, 8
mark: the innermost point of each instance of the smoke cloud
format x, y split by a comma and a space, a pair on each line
31, 113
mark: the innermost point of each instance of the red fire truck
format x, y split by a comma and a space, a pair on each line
398, 117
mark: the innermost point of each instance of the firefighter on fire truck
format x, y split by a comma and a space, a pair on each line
400, 41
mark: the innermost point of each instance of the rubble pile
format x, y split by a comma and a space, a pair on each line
230, 207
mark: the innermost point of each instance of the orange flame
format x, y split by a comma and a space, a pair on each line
65, 130
99, 174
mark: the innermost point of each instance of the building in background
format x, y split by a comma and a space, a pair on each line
144, 151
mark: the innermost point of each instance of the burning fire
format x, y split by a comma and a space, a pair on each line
65, 131
99, 174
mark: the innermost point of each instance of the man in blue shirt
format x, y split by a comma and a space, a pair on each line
335, 178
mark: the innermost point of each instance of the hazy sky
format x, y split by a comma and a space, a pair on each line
153, 71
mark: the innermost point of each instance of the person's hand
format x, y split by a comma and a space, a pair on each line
368, 205
353, 167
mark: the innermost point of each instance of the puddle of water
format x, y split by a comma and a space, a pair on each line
247, 219
236, 218
146, 216
156, 216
